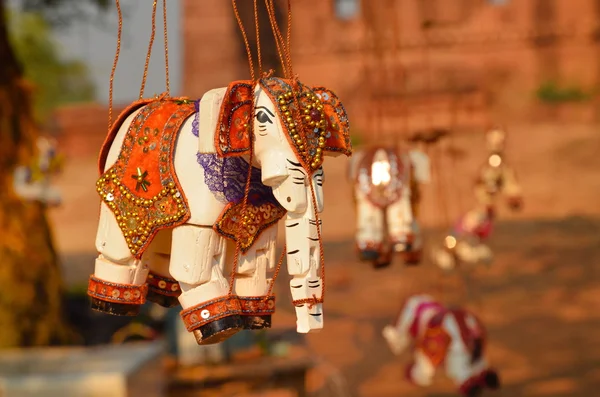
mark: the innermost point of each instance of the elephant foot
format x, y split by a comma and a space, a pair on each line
257, 311
214, 321
257, 322
218, 330
163, 291
162, 300
115, 309
116, 299
368, 255
412, 258
383, 260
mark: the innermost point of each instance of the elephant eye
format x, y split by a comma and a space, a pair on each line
263, 118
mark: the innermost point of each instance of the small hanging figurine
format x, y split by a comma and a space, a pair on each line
466, 244
452, 338
495, 176
190, 188
383, 181
34, 182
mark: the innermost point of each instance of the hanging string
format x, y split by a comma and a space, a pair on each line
277, 269
287, 51
114, 67
395, 61
289, 38
238, 241
168, 83
245, 38
366, 72
152, 34
441, 197
236, 256
370, 70
426, 24
312, 189
279, 41
257, 27
281, 48
285, 56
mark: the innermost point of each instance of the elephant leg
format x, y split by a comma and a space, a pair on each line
251, 284
304, 265
370, 231
399, 223
118, 285
468, 376
197, 263
421, 370
163, 289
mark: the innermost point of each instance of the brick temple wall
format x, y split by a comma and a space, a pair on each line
494, 55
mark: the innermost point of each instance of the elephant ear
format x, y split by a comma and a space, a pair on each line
232, 137
338, 128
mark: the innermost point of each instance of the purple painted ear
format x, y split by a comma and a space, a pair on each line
338, 127
232, 137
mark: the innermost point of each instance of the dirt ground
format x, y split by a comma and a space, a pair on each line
540, 298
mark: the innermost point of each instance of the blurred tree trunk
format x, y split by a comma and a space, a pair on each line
30, 281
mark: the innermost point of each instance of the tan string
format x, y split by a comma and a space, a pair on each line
238, 241
257, 27
236, 256
245, 37
289, 38
312, 189
285, 56
283, 46
168, 83
279, 44
152, 34
277, 269
114, 67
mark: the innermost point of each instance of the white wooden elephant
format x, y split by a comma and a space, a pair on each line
34, 182
452, 338
386, 194
174, 176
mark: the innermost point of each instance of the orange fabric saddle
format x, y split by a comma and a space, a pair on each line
141, 188
435, 341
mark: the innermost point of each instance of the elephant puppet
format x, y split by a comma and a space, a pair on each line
466, 243
34, 182
386, 199
174, 175
454, 338
495, 177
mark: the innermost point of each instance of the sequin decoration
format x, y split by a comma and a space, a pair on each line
141, 188
302, 116
314, 120
245, 228
434, 343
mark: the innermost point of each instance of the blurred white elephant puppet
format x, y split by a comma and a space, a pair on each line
386, 195
453, 339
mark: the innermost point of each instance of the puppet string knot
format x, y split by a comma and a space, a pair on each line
308, 301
